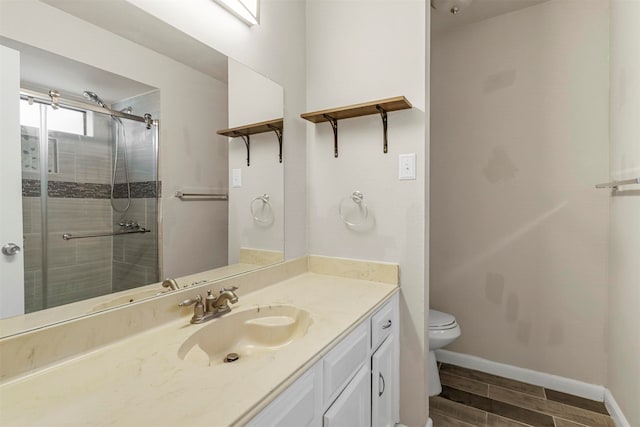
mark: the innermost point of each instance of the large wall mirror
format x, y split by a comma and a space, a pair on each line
126, 176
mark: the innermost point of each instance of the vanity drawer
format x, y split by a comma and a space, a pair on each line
341, 363
382, 324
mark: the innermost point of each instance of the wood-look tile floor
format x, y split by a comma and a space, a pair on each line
473, 398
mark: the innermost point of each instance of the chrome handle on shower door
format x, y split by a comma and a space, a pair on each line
10, 249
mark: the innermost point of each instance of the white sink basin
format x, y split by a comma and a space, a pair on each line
246, 333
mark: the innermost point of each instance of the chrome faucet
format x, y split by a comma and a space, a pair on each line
213, 306
227, 295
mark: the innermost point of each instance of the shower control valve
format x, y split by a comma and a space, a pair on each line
129, 224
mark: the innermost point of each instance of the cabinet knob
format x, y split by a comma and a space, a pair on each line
381, 392
387, 325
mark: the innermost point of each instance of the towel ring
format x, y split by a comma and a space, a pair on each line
261, 208
358, 198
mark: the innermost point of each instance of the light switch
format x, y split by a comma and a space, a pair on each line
236, 178
407, 166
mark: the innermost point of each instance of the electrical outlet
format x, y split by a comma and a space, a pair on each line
407, 166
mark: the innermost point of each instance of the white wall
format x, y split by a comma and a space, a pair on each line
359, 52
519, 241
252, 99
623, 377
190, 152
275, 48
11, 267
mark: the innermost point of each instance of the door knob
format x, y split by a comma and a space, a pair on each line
10, 249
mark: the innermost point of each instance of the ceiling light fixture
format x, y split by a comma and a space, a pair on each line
245, 10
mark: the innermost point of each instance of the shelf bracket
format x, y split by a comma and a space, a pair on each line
278, 133
383, 114
334, 125
247, 143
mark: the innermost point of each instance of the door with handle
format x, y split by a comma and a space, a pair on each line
11, 258
382, 389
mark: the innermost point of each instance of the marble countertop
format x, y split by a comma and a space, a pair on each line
141, 380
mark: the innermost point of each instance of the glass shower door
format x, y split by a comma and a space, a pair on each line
135, 256
94, 230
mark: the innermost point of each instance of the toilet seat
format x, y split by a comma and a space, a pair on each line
439, 321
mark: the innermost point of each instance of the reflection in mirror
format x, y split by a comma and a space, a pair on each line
256, 208
94, 231
101, 173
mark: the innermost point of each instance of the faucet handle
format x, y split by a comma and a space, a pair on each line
191, 301
198, 309
231, 289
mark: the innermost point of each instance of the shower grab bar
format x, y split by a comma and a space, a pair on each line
67, 236
616, 184
199, 196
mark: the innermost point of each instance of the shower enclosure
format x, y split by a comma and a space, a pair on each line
89, 195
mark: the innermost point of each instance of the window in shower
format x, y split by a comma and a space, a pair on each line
66, 119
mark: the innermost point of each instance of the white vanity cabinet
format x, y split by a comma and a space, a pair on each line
354, 385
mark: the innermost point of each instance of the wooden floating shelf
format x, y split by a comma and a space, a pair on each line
245, 132
381, 107
253, 129
357, 110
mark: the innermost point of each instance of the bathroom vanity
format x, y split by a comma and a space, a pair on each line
317, 342
354, 384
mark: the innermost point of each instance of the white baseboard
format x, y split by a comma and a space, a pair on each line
554, 382
614, 410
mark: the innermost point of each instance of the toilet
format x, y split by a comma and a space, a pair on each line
443, 330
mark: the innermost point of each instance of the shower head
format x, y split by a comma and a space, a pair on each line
91, 96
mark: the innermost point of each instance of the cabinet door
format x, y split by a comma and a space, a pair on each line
353, 407
297, 406
341, 363
383, 389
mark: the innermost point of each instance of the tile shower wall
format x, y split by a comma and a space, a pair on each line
135, 257
78, 269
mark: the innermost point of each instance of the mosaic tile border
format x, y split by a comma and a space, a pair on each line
88, 190
139, 190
